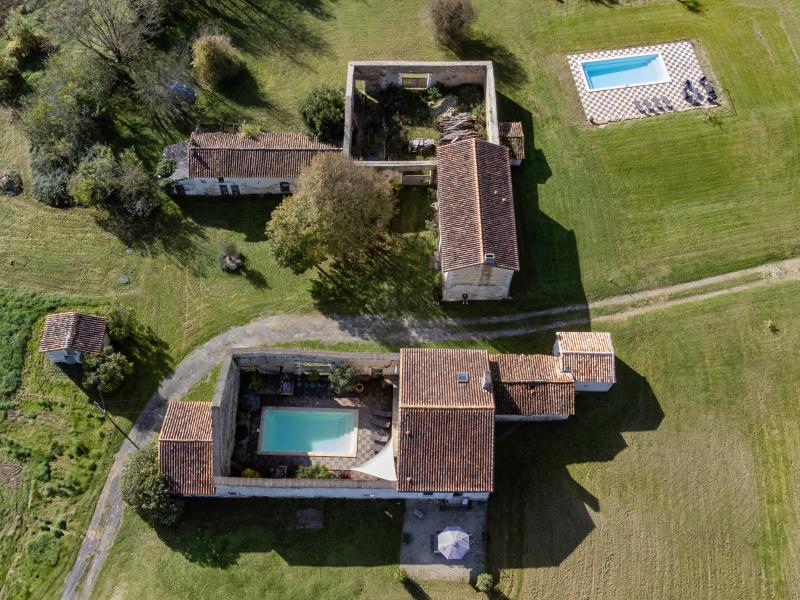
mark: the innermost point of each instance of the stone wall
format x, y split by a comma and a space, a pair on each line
481, 282
223, 414
209, 186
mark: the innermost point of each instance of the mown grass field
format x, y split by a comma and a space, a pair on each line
677, 484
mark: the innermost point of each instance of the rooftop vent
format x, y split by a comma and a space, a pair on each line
486, 381
488, 258
463, 377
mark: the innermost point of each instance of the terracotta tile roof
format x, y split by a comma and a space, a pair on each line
265, 155
185, 448
429, 378
446, 450
589, 356
513, 138
476, 205
73, 331
531, 385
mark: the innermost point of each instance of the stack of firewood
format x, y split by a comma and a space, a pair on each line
460, 126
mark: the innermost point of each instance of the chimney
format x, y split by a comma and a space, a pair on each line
486, 381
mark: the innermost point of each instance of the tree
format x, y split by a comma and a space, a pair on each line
95, 179
120, 323
323, 113
484, 583
343, 378
23, 35
9, 75
161, 85
145, 489
339, 209
451, 19
214, 58
136, 189
106, 371
315, 471
114, 30
49, 178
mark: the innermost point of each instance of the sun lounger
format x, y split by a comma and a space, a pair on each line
377, 447
382, 423
667, 102
658, 103
688, 95
387, 414
649, 105
640, 107
380, 437
698, 99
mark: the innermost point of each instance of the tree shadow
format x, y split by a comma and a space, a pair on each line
414, 590
255, 278
539, 514
166, 231
392, 280
694, 6
216, 532
244, 214
508, 69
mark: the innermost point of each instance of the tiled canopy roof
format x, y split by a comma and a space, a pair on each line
513, 138
73, 331
589, 356
185, 449
531, 385
265, 155
446, 428
476, 206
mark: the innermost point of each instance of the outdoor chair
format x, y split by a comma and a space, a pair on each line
667, 102
406, 537
640, 107
688, 95
433, 544
378, 447
380, 437
698, 99
387, 414
649, 105
382, 423
658, 103
419, 514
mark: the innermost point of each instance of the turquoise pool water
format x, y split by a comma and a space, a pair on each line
320, 432
625, 71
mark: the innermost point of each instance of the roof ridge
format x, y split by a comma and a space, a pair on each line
478, 200
448, 406
601, 352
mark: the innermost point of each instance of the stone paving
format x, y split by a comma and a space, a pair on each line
416, 556
603, 106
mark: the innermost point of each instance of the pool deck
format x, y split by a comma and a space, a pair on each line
374, 397
605, 106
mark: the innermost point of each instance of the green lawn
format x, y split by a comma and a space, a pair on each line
678, 484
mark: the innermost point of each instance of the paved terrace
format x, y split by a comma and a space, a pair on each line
374, 397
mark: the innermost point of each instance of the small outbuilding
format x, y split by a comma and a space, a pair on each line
68, 336
477, 228
513, 137
531, 387
589, 357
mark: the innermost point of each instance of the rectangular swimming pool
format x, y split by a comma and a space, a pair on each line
624, 71
309, 431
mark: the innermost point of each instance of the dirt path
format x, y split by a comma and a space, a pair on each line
288, 328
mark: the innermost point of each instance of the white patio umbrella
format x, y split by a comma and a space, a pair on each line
453, 543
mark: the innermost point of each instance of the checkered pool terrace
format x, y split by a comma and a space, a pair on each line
604, 106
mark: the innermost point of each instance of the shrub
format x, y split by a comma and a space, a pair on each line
49, 185
323, 113
451, 19
9, 75
144, 488
230, 259
106, 371
24, 37
120, 323
137, 192
95, 179
44, 549
250, 473
165, 168
343, 379
484, 583
249, 130
400, 575
315, 471
214, 59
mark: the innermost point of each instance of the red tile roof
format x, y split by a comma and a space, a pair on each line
531, 385
589, 356
429, 378
265, 155
446, 428
73, 331
513, 138
476, 205
446, 450
185, 448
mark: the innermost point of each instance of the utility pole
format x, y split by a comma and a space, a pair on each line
108, 416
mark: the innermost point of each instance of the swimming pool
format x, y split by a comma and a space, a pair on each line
309, 431
624, 71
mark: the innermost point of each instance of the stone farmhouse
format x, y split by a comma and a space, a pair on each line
420, 424
478, 240
67, 336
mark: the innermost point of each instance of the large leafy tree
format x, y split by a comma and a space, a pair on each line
340, 208
323, 113
145, 490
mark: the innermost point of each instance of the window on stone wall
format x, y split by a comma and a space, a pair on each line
223, 190
415, 81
